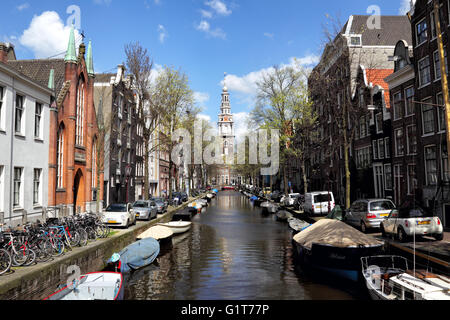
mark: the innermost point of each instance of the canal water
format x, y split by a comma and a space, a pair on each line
233, 252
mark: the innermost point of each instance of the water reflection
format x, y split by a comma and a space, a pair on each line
232, 252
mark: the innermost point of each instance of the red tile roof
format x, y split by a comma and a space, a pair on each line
376, 77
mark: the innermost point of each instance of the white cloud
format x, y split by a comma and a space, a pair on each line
241, 126
268, 35
162, 33
156, 70
206, 14
205, 27
246, 85
405, 6
47, 35
101, 2
201, 97
23, 6
204, 117
219, 7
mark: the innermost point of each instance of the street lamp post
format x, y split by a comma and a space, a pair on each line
127, 173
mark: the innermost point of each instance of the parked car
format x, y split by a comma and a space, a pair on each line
408, 221
161, 204
368, 213
319, 203
176, 199
276, 195
145, 209
119, 215
184, 196
267, 191
290, 199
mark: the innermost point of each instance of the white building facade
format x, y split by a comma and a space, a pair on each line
24, 141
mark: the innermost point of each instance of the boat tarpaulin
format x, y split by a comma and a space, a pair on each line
334, 233
138, 254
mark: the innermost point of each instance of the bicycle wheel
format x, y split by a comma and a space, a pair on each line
19, 255
5, 261
84, 237
43, 249
92, 235
58, 247
31, 258
74, 238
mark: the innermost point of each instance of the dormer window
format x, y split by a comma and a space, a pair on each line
355, 40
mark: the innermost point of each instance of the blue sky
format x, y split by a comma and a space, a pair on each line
205, 38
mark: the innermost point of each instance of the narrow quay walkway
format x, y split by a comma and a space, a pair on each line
38, 281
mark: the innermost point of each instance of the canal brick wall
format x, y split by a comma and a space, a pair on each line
39, 281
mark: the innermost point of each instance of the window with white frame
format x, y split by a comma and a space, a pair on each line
60, 159
424, 72
398, 106
398, 176
379, 122
2, 192
411, 140
80, 115
430, 165
37, 120
19, 114
362, 127
2, 117
412, 180
381, 148
445, 165
421, 32
441, 112
399, 145
388, 176
437, 64
433, 26
428, 117
375, 149
409, 98
387, 147
37, 186
17, 192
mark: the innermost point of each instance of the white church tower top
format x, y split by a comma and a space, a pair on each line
225, 117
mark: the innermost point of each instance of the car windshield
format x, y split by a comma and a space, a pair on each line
413, 213
322, 198
117, 208
140, 204
158, 199
381, 205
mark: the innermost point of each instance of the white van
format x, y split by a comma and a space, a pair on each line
317, 203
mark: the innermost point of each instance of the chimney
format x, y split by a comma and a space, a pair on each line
5, 48
120, 73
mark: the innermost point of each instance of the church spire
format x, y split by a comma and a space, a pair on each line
89, 60
71, 55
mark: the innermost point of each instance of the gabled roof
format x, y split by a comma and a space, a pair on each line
393, 28
376, 77
39, 70
104, 77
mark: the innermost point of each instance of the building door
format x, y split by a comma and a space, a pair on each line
378, 180
447, 216
78, 192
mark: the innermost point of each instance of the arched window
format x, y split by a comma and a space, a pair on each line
60, 158
80, 114
94, 164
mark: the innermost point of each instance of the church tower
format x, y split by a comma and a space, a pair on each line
225, 174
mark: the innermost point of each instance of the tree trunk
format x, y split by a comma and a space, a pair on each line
286, 185
305, 180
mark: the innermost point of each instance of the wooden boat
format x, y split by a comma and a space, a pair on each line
159, 233
334, 247
185, 214
92, 286
388, 278
297, 225
283, 215
137, 255
177, 227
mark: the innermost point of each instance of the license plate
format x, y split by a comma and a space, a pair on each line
423, 222
112, 221
384, 215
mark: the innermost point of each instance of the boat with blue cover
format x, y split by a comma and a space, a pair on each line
137, 255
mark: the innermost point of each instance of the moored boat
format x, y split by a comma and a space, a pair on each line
335, 247
388, 278
283, 215
159, 233
297, 225
177, 227
92, 286
137, 255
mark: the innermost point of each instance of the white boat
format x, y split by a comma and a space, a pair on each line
160, 233
388, 278
177, 227
92, 286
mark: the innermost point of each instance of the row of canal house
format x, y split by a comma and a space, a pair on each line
398, 148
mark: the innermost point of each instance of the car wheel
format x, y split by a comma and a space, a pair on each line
383, 232
128, 224
401, 235
363, 227
439, 236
